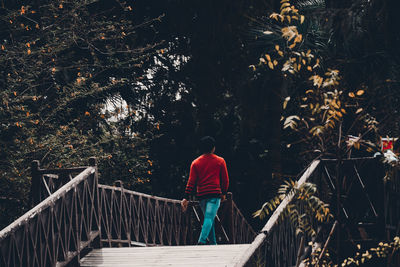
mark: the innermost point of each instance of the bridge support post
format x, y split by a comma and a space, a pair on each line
229, 210
35, 183
96, 243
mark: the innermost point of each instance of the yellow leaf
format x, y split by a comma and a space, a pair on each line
298, 38
275, 62
280, 53
267, 57
359, 110
252, 67
309, 68
285, 102
292, 45
270, 65
334, 104
29, 51
309, 91
343, 111
351, 94
288, 19
285, 10
357, 145
277, 47
274, 16
2, 47
285, 5
301, 19
360, 92
60, 6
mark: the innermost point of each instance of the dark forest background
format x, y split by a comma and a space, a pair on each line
138, 83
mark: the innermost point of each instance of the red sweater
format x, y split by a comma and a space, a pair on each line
209, 173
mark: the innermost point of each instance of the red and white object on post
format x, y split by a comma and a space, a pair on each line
387, 143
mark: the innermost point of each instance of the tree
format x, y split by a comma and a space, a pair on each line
327, 108
62, 61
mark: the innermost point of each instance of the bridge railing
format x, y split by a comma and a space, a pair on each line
130, 218
47, 181
363, 204
58, 229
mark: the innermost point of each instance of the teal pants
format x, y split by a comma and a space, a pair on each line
209, 207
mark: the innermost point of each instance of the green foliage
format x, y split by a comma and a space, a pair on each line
383, 250
304, 208
61, 63
323, 112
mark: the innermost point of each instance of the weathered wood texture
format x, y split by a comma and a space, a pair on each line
194, 256
58, 228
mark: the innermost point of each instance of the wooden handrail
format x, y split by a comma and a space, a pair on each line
260, 238
47, 202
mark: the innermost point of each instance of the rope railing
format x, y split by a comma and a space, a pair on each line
56, 231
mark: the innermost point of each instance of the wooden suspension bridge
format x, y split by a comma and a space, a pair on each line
78, 222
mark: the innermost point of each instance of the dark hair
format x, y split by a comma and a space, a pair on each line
207, 143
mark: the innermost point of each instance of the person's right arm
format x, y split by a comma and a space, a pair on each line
224, 179
191, 184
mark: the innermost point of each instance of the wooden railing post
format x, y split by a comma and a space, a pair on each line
229, 203
35, 183
97, 241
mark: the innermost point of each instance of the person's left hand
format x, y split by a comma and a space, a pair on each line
223, 198
184, 204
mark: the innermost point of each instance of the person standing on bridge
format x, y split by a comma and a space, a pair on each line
209, 174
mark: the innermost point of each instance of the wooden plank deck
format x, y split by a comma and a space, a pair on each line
194, 256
